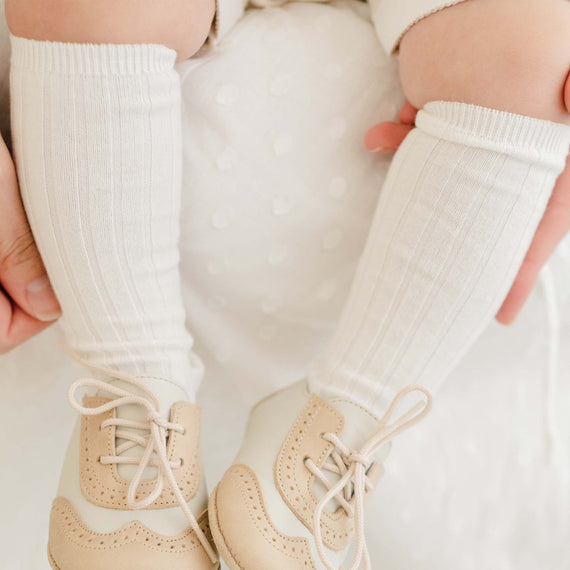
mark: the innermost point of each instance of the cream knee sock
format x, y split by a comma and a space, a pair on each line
457, 213
97, 139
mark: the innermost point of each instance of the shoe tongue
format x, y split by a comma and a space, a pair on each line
166, 392
359, 426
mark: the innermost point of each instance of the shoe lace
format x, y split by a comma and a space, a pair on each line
352, 468
154, 445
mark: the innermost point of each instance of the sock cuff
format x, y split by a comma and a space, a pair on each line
90, 59
524, 137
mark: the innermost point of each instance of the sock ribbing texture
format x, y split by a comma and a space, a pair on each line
97, 140
457, 213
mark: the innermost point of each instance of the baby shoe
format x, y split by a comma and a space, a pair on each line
294, 497
132, 494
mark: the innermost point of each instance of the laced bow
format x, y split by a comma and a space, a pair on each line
352, 468
155, 450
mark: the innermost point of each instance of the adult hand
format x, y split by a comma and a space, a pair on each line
27, 302
386, 137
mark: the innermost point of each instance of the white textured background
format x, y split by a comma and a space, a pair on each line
278, 197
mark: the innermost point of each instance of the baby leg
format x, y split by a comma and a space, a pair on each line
462, 201
96, 124
97, 138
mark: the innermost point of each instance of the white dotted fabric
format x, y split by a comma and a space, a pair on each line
279, 189
278, 196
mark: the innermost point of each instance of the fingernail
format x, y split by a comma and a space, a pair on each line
379, 149
42, 300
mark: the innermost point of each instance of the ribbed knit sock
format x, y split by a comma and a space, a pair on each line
457, 213
97, 140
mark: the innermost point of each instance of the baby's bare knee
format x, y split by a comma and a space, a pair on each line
182, 25
512, 55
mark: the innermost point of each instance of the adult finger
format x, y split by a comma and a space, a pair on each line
16, 326
553, 227
22, 273
408, 114
385, 138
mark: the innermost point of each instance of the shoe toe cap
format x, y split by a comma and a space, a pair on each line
73, 545
243, 530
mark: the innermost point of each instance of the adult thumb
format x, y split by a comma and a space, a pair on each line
22, 273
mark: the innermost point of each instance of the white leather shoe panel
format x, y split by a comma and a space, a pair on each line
169, 522
167, 393
270, 422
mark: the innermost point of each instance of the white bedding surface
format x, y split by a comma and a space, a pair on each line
278, 196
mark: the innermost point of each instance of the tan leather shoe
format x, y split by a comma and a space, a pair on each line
132, 494
294, 497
